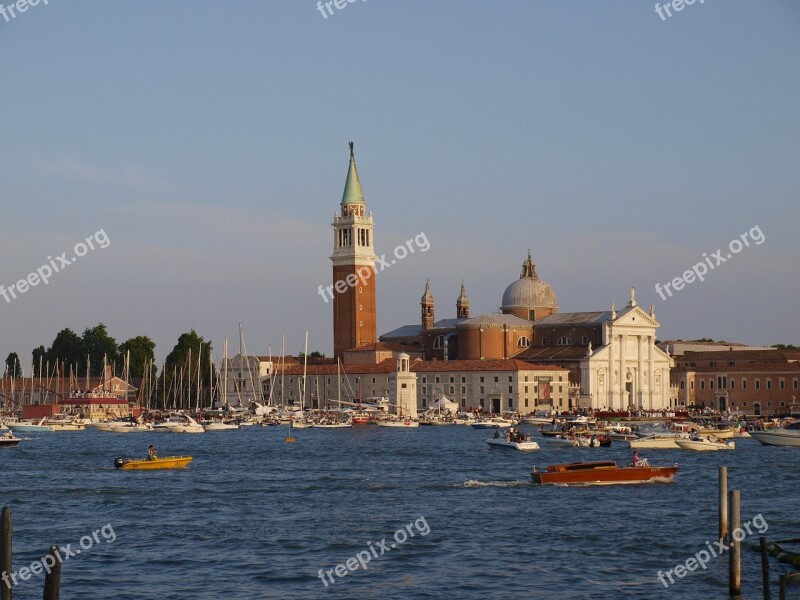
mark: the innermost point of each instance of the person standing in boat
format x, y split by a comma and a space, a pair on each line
635, 460
152, 453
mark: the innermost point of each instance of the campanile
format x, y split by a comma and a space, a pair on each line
353, 258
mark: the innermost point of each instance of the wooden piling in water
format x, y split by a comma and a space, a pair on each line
782, 587
723, 503
735, 566
6, 538
52, 581
765, 568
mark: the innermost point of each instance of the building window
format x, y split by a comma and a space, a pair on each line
436, 380
758, 384
452, 390
463, 389
744, 383
496, 379
769, 384
564, 341
744, 404
782, 384
481, 379
691, 384
560, 389
510, 403
424, 389
463, 403
585, 340
424, 403
526, 403
463, 380
794, 383
404, 385
373, 381
526, 389
769, 403
510, 379
481, 389
561, 378
438, 343
702, 384
711, 384
510, 390
481, 402
523, 342
424, 380
544, 341
683, 384
712, 364
733, 384
452, 380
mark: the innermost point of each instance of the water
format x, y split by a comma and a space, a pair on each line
253, 517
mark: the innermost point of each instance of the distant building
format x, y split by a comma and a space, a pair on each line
740, 380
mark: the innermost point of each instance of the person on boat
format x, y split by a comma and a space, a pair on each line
636, 459
152, 453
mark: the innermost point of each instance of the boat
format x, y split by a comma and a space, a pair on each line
147, 464
404, 423
513, 441
603, 472
221, 426
29, 426
8, 439
179, 423
129, 427
657, 441
778, 436
705, 444
495, 423
62, 422
567, 442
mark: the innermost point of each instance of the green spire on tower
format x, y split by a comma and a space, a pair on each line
352, 188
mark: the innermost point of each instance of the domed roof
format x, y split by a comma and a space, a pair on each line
529, 292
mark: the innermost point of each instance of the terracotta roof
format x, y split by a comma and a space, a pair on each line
552, 353
756, 366
386, 366
449, 366
385, 347
741, 355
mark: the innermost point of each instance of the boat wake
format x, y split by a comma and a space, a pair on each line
474, 483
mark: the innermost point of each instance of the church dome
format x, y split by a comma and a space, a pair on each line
529, 292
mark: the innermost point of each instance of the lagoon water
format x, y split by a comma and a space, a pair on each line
253, 517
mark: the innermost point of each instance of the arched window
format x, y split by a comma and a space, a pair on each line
564, 341
523, 342
438, 343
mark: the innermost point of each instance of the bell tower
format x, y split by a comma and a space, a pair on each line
353, 258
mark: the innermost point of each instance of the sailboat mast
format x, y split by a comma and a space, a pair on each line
305, 364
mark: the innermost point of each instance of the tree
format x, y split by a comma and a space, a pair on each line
39, 357
141, 350
67, 349
785, 347
180, 373
98, 345
13, 368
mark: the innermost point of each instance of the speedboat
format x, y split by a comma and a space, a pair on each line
62, 422
179, 423
602, 472
8, 439
658, 441
567, 442
150, 464
520, 442
779, 436
221, 426
704, 444
29, 427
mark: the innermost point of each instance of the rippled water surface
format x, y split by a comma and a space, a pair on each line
253, 517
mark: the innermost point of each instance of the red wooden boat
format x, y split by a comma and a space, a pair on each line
602, 472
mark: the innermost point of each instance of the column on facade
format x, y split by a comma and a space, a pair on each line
623, 400
640, 375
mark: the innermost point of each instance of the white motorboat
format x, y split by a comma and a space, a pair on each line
332, 425
179, 423
404, 423
221, 426
779, 436
29, 426
566, 442
129, 427
512, 442
704, 444
62, 422
658, 441
8, 439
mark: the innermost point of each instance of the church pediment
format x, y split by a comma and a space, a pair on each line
634, 316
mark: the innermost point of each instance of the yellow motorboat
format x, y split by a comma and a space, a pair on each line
146, 464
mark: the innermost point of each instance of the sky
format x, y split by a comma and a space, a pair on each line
207, 141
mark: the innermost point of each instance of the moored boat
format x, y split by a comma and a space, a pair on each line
657, 441
779, 436
403, 423
602, 472
705, 444
495, 423
29, 426
8, 439
513, 441
146, 464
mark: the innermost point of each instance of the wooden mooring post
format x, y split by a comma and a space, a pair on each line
52, 581
6, 538
735, 573
723, 503
782, 582
765, 568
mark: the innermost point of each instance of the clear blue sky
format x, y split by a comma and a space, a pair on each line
209, 141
